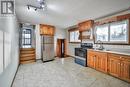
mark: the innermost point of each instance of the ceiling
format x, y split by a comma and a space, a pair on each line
65, 13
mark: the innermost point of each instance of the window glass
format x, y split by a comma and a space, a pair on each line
74, 36
102, 33
26, 38
71, 36
77, 36
118, 31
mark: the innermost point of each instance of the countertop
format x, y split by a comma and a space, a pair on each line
113, 51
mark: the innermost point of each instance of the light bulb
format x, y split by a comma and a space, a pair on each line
38, 0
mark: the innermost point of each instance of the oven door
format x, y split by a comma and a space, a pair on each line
80, 52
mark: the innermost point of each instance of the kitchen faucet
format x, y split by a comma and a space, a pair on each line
100, 45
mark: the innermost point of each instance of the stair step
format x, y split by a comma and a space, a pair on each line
27, 58
27, 49
29, 61
27, 55
27, 52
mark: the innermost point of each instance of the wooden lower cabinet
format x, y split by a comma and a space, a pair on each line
119, 66
91, 59
125, 70
97, 60
101, 61
114, 64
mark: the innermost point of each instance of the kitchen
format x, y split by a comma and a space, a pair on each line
91, 50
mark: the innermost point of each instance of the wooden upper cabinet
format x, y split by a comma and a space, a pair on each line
47, 30
87, 25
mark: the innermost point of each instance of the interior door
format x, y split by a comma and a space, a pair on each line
61, 47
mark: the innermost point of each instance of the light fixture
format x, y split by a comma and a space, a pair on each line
42, 6
28, 7
35, 9
38, 0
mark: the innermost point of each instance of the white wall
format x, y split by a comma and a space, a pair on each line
59, 34
72, 46
10, 24
38, 42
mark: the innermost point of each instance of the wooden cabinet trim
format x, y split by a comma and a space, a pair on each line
86, 25
112, 19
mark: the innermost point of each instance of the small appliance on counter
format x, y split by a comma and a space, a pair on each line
81, 53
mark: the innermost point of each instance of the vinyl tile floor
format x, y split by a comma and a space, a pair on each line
63, 73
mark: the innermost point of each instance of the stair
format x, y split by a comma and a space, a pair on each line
27, 55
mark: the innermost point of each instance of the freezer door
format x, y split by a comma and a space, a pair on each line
48, 52
48, 39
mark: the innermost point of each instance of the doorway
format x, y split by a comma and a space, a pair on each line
27, 44
61, 48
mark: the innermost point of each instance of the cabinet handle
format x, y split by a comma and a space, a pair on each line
120, 57
119, 63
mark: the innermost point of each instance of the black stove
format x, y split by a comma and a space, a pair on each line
81, 53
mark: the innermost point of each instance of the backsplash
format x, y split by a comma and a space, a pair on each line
118, 47
113, 47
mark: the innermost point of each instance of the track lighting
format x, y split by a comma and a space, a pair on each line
41, 3
28, 8
35, 9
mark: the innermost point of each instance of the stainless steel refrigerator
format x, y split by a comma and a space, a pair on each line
47, 48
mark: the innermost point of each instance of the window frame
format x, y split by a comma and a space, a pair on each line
109, 33
73, 30
95, 29
24, 44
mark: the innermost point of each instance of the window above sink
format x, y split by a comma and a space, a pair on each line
113, 33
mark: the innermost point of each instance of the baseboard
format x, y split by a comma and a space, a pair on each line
38, 59
70, 56
15, 75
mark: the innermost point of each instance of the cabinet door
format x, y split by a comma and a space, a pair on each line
91, 59
114, 65
44, 30
51, 31
101, 62
125, 70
